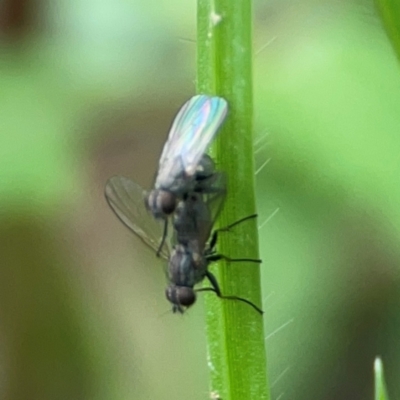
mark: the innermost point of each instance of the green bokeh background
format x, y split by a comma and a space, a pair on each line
88, 89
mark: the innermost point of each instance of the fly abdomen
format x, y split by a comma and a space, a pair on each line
181, 267
192, 220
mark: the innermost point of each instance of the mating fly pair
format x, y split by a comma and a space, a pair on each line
189, 191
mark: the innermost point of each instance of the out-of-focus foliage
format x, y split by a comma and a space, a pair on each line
390, 13
88, 90
329, 96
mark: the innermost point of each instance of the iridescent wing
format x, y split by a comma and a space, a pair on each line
193, 129
127, 199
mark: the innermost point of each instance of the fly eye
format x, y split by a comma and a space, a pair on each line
160, 203
167, 202
180, 296
186, 296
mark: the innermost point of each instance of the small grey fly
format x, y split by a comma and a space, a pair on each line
190, 249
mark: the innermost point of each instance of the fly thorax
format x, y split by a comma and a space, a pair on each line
181, 267
198, 259
174, 178
160, 203
206, 168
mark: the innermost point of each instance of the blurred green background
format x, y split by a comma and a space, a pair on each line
88, 89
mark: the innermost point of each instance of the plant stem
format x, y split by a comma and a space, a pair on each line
380, 385
236, 344
390, 14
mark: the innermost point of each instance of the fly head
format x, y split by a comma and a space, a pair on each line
160, 203
181, 297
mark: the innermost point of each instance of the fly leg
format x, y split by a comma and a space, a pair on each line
215, 288
229, 227
214, 236
163, 238
213, 256
216, 257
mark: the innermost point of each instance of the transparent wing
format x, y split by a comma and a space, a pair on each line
126, 199
193, 129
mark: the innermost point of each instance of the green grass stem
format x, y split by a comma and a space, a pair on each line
380, 385
236, 340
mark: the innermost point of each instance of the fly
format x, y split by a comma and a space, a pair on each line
184, 167
189, 257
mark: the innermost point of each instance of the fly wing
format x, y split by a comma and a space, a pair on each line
193, 129
127, 199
